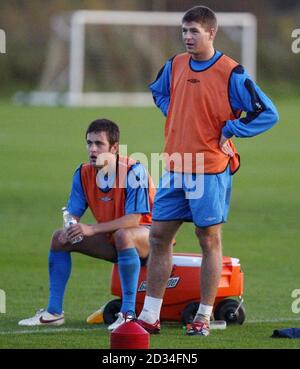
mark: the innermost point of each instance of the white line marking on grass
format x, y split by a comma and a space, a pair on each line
275, 320
48, 330
102, 327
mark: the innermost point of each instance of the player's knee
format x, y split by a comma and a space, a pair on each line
123, 238
208, 240
157, 241
56, 243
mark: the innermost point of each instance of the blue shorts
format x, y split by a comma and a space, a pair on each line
199, 198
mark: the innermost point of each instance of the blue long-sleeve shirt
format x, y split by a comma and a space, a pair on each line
244, 95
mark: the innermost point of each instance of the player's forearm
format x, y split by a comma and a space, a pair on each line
127, 221
252, 125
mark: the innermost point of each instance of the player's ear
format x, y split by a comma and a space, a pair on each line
114, 148
212, 33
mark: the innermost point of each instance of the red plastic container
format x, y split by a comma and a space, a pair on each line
183, 286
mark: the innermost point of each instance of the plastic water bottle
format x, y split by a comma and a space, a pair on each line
68, 220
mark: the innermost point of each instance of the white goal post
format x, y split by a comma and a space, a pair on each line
75, 95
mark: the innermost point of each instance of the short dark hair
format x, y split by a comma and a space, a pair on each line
105, 125
202, 15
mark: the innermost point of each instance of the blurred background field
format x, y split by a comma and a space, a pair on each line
29, 32
40, 147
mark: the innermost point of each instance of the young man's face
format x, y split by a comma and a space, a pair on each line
97, 143
196, 38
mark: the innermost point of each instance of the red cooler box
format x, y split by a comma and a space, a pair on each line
182, 296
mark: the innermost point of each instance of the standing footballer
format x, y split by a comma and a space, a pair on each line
202, 92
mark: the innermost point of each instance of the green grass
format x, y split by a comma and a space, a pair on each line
39, 150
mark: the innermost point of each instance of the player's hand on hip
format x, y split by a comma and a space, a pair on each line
225, 146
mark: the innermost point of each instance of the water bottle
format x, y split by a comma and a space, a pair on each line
68, 220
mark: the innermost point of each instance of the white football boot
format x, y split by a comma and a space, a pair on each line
42, 317
120, 320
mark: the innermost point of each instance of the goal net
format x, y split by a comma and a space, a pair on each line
108, 58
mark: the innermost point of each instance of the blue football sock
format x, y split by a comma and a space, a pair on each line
129, 270
60, 265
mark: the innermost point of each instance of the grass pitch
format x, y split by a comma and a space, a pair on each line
40, 149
